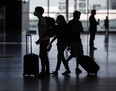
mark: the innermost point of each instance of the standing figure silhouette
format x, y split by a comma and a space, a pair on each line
92, 28
43, 41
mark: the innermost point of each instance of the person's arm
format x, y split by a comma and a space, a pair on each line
98, 21
55, 37
50, 44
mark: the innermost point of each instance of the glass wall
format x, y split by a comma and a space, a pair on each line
51, 9
104, 8
55, 7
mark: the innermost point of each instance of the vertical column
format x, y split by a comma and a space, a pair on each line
48, 4
67, 6
75, 5
25, 16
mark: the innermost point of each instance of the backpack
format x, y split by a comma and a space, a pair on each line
50, 26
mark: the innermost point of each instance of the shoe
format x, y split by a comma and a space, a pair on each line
66, 72
77, 70
47, 74
93, 48
54, 73
41, 74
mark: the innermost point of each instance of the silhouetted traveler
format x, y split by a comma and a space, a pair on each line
106, 25
44, 41
92, 28
62, 43
76, 47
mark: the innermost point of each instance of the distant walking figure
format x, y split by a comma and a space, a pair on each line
106, 25
92, 29
75, 44
62, 43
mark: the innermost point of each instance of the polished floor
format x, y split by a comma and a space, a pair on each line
11, 67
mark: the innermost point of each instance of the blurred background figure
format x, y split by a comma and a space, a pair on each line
106, 25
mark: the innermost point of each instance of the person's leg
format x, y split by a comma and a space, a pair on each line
58, 62
92, 38
66, 66
44, 57
47, 66
65, 62
79, 56
57, 66
77, 70
42, 60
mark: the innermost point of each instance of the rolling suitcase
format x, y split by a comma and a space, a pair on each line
89, 65
31, 60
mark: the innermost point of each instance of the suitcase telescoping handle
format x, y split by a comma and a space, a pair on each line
28, 43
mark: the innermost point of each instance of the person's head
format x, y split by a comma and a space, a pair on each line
76, 15
60, 19
93, 12
106, 17
38, 11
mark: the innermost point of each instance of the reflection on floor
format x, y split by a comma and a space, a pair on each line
11, 68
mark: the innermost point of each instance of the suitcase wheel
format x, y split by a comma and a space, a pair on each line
28, 75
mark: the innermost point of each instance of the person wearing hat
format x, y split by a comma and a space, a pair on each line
75, 44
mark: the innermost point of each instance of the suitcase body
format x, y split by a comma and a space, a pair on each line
89, 65
31, 65
30, 61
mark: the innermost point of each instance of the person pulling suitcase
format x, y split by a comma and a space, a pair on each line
75, 44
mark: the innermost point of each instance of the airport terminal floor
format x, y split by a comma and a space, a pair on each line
11, 67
